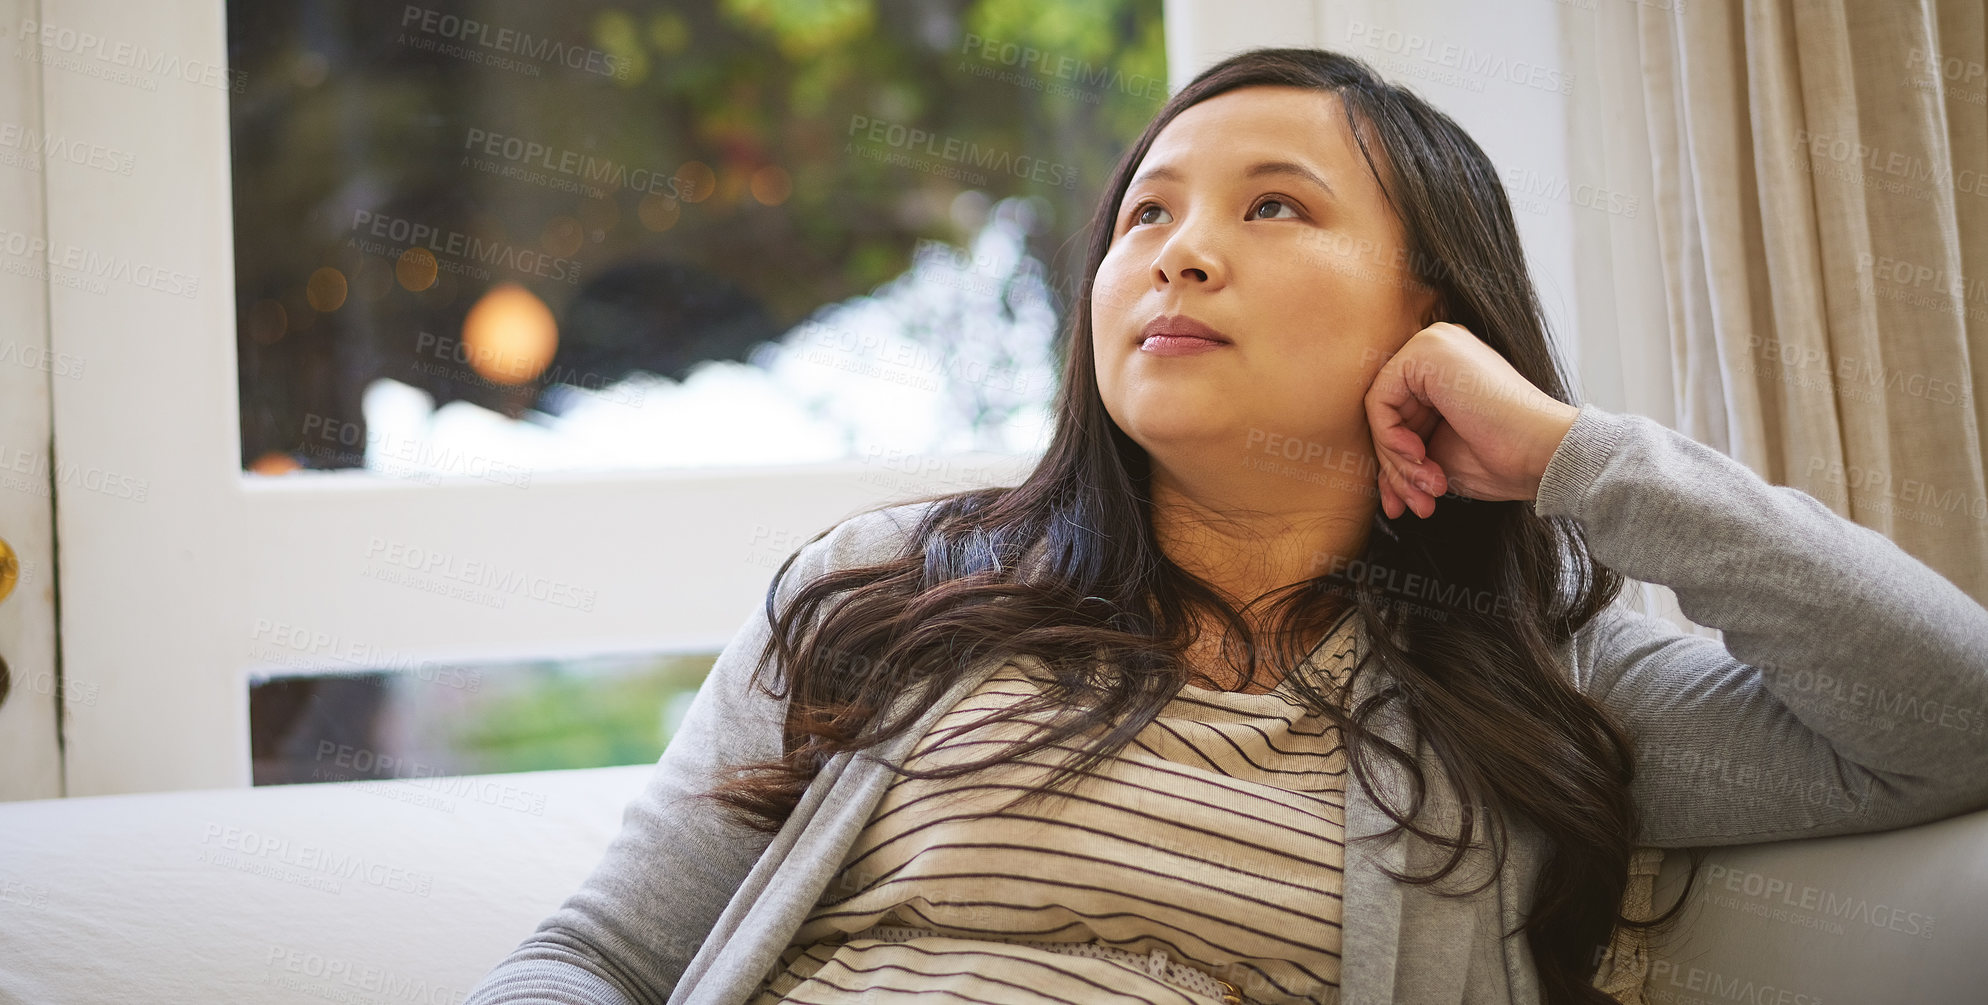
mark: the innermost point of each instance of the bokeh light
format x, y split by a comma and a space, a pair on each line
562, 236
275, 462
325, 290
658, 212
771, 185
267, 321
416, 269
510, 334
696, 181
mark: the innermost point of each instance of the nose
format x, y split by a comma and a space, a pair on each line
1189, 257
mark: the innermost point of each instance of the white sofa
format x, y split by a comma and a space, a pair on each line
410, 891
404, 891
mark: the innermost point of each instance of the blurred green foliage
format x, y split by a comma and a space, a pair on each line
544, 716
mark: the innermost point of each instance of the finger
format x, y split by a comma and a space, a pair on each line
1393, 423
1404, 441
1433, 480
1396, 408
1404, 493
1419, 498
1385, 401
1385, 483
1391, 502
1397, 442
1421, 483
1418, 478
1421, 501
1404, 487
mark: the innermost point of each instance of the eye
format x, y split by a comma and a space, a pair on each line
1139, 213
1273, 201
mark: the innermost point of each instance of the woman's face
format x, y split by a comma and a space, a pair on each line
1254, 214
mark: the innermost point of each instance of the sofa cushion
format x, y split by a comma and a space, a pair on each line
405, 891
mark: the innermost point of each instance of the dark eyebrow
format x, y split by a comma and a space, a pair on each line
1258, 170
1287, 167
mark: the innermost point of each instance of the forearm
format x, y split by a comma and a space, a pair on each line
1864, 643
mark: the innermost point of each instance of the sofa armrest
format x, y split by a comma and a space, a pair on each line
1895, 916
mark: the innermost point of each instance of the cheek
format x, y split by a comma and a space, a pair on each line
1321, 375
1113, 289
1352, 288
1105, 362
1350, 327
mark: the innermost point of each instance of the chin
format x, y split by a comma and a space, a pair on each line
1182, 428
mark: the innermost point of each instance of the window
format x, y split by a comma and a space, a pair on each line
490, 240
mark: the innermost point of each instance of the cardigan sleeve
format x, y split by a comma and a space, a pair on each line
1850, 692
628, 933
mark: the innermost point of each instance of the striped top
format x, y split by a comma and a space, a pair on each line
1214, 836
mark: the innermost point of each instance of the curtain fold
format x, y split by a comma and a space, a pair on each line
1821, 194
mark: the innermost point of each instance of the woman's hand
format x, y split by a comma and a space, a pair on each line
1447, 412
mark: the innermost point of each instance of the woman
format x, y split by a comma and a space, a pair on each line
1292, 672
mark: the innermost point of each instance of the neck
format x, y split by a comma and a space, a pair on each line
1256, 536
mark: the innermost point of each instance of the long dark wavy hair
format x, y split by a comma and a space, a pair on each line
1065, 567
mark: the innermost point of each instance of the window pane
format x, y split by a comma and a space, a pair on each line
439, 719
486, 239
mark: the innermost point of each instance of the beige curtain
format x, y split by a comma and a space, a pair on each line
1821, 194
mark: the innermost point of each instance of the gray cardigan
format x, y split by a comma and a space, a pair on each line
1849, 695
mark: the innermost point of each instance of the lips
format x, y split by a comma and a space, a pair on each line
1180, 326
